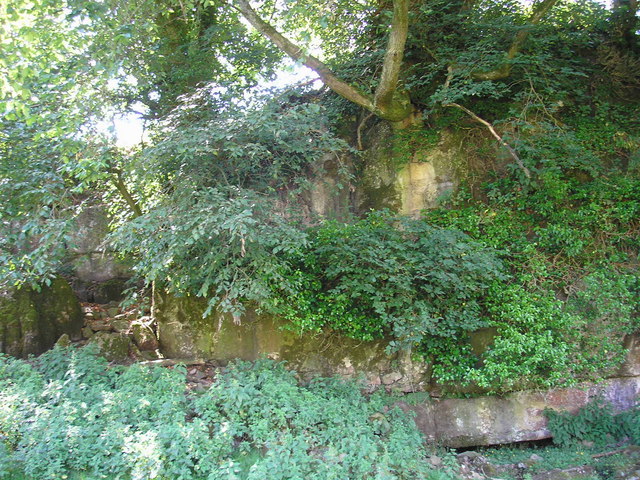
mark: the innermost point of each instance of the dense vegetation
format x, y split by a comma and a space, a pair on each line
69, 413
539, 244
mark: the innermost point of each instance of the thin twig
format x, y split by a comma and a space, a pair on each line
609, 454
510, 149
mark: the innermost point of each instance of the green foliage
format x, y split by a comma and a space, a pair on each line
271, 143
300, 428
552, 457
221, 244
549, 263
386, 275
570, 240
51, 93
212, 228
595, 422
36, 202
69, 414
531, 347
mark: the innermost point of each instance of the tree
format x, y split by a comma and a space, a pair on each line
55, 85
626, 23
391, 99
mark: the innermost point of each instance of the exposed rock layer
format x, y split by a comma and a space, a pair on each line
31, 322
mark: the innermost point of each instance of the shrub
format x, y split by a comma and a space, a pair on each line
69, 413
386, 275
569, 243
595, 422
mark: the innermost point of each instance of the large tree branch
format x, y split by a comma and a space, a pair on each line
387, 102
393, 56
503, 71
326, 74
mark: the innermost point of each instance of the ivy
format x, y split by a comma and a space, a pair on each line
386, 275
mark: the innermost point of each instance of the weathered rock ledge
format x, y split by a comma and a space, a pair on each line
516, 417
455, 422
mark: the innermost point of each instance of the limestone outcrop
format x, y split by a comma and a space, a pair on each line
32, 321
184, 333
515, 417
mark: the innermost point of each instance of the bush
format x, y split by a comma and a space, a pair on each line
595, 422
570, 244
68, 413
386, 275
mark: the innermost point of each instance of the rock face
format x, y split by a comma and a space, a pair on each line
327, 196
183, 333
31, 322
454, 422
408, 181
143, 335
517, 417
631, 366
99, 276
20, 332
113, 346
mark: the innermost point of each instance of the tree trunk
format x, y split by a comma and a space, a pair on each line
388, 102
625, 23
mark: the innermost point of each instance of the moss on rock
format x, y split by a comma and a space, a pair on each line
114, 347
19, 324
31, 322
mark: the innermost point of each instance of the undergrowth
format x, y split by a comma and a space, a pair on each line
596, 437
67, 414
596, 423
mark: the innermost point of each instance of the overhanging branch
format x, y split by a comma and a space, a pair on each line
297, 53
509, 148
503, 71
118, 182
387, 103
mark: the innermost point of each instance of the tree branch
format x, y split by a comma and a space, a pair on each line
387, 102
504, 70
118, 182
393, 56
297, 53
510, 149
